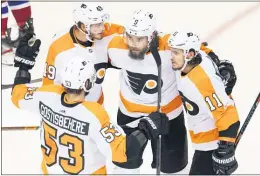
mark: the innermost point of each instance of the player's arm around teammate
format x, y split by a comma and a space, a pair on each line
107, 138
212, 116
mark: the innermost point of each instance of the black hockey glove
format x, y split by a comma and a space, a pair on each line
26, 52
227, 71
224, 161
154, 124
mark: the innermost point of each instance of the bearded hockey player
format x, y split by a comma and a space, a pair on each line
91, 33
138, 90
77, 135
213, 120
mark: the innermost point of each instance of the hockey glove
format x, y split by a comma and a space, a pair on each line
227, 71
26, 52
224, 161
154, 124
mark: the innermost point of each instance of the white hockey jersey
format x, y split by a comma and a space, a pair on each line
67, 42
138, 81
211, 112
76, 138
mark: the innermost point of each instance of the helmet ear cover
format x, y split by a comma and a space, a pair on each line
88, 85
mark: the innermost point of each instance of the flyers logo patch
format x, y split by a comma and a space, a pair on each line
190, 107
143, 82
101, 71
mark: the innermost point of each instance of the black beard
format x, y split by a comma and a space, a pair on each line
139, 56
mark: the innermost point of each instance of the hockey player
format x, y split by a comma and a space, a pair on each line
76, 135
138, 90
138, 83
213, 121
91, 33
21, 11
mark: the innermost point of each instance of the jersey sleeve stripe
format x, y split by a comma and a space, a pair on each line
134, 107
118, 145
18, 94
204, 137
52, 88
113, 29
205, 49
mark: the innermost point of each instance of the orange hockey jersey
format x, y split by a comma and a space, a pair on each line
67, 42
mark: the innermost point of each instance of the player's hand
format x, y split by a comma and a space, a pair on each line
227, 71
154, 124
27, 51
224, 161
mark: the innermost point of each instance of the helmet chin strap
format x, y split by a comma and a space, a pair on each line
87, 35
185, 64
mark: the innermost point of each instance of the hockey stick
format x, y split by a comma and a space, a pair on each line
8, 86
248, 118
20, 128
154, 50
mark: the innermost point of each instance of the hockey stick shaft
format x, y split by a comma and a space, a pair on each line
20, 128
248, 118
158, 168
8, 86
156, 55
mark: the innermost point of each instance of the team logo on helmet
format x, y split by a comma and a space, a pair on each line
83, 6
99, 8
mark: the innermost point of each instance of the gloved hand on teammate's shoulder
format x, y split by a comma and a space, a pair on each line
227, 71
224, 161
154, 124
27, 51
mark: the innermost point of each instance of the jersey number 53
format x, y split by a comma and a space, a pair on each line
72, 165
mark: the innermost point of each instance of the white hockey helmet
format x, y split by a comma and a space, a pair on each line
141, 23
184, 40
78, 73
89, 13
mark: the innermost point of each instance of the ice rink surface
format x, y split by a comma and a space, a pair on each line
232, 29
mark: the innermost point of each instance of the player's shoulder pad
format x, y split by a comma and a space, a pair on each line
61, 42
117, 42
205, 49
97, 110
51, 88
163, 40
112, 28
58, 34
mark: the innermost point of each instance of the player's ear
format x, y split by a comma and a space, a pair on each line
82, 27
191, 53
